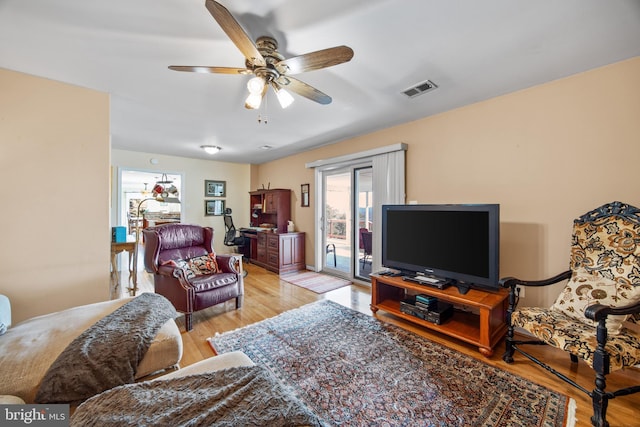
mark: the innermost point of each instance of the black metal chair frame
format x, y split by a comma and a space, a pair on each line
331, 248
366, 239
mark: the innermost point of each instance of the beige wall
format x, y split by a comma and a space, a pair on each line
54, 165
194, 173
547, 154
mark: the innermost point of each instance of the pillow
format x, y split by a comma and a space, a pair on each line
585, 289
183, 265
197, 266
3, 328
206, 264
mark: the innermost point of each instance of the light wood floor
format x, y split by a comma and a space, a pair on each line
266, 296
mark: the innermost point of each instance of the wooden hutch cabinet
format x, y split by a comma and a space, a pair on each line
270, 207
279, 251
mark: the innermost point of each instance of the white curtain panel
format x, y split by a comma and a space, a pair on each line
388, 189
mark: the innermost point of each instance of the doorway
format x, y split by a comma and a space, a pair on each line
347, 221
137, 208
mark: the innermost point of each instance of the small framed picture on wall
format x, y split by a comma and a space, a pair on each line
215, 188
213, 207
304, 195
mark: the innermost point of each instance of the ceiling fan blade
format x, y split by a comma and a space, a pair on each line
315, 60
235, 32
205, 69
303, 89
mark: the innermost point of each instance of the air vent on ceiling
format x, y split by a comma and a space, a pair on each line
420, 88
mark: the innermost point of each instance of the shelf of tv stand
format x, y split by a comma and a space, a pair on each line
483, 326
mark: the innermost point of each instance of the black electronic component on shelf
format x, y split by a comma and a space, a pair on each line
438, 313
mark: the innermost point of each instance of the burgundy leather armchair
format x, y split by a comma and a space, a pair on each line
174, 242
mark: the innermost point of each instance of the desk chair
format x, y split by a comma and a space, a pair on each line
231, 237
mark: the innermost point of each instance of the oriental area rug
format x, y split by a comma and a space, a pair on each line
316, 282
352, 369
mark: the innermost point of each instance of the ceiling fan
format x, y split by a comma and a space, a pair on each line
269, 67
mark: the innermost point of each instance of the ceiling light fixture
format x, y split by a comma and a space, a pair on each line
253, 101
256, 89
284, 98
258, 86
255, 85
211, 149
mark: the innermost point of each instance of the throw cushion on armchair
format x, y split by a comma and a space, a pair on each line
196, 266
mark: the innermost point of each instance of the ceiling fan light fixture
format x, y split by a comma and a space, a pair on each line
263, 60
253, 101
284, 98
211, 149
256, 85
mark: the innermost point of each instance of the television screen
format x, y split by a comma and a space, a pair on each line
454, 242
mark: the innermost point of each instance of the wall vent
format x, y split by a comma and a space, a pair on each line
420, 88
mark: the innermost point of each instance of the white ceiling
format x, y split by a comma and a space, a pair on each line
473, 50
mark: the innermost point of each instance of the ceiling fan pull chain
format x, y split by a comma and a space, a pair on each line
264, 106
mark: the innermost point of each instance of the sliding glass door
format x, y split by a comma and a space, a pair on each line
337, 224
347, 221
364, 214
350, 191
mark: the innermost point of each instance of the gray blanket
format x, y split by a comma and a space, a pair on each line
108, 353
241, 396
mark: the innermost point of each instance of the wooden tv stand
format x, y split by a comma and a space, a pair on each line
482, 323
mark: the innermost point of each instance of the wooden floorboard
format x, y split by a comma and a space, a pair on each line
266, 296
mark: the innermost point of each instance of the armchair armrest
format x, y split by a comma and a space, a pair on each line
167, 270
228, 263
514, 293
599, 311
512, 282
173, 272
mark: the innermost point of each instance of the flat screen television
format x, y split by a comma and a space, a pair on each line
456, 243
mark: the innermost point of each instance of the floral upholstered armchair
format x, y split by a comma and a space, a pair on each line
597, 316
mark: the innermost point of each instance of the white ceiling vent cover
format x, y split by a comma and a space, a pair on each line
420, 88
